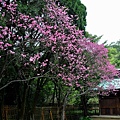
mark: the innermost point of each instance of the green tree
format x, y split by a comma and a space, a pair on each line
114, 53
76, 9
31, 7
94, 38
78, 12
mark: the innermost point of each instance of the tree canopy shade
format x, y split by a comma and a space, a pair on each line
48, 47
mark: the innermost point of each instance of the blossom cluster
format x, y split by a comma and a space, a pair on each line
52, 43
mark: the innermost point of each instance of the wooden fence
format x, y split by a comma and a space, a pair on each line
51, 113
10, 113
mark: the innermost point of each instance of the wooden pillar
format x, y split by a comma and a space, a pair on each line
99, 105
111, 111
51, 117
42, 114
117, 105
6, 112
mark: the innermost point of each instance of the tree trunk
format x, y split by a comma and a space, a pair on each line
54, 93
64, 104
63, 112
35, 102
40, 83
84, 103
1, 105
35, 99
23, 105
58, 96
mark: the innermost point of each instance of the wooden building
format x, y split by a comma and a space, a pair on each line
110, 105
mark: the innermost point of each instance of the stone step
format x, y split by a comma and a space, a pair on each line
105, 117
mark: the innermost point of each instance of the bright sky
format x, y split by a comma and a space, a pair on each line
103, 18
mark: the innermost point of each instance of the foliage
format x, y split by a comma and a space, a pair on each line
114, 53
85, 118
31, 7
77, 11
94, 38
93, 100
45, 51
69, 52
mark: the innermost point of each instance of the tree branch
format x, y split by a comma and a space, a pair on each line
25, 80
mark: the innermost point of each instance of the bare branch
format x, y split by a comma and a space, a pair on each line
83, 93
25, 80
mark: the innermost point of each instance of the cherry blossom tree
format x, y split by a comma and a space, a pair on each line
49, 46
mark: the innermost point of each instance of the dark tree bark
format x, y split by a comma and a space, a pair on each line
2, 104
84, 103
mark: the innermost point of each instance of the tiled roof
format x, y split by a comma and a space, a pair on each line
113, 84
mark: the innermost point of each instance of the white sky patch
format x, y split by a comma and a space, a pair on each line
103, 18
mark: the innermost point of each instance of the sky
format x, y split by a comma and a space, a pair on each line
103, 18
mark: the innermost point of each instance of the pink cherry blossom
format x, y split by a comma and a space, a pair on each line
52, 43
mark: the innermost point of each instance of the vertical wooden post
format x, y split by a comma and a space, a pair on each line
42, 114
6, 112
100, 109
117, 105
51, 115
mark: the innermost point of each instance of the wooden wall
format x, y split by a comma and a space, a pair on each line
109, 105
